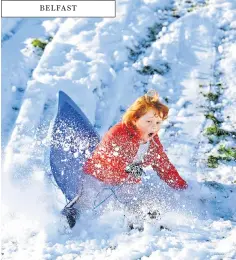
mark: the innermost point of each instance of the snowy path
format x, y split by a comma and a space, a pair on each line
87, 60
16, 69
195, 60
10, 27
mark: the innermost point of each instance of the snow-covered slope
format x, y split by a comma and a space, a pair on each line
183, 49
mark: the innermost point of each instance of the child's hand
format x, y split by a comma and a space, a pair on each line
135, 170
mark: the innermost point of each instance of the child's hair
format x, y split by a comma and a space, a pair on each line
142, 105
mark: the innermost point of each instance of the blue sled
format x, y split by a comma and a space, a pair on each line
73, 140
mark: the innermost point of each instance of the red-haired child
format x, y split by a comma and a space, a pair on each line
118, 161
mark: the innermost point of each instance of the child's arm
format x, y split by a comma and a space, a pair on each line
166, 169
111, 157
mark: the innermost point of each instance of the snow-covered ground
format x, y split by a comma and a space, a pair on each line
186, 51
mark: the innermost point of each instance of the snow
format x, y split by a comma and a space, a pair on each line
90, 60
9, 26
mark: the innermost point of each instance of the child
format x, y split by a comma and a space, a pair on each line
129, 146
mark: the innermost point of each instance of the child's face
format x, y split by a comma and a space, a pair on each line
149, 124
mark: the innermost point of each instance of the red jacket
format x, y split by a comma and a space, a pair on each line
118, 149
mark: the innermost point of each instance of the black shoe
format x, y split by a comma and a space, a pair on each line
155, 214
138, 227
71, 214
164, 228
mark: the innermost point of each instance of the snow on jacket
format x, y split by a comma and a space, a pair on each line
118, 149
